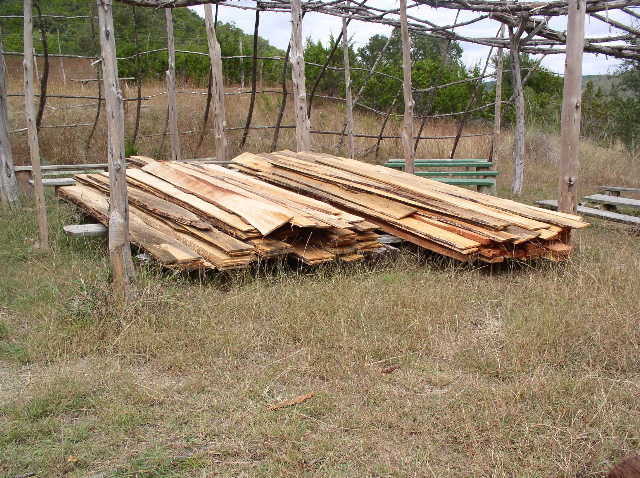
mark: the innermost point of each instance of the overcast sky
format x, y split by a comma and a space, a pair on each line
276, 27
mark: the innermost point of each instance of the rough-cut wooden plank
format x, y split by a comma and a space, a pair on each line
165, 249
619, 189
261, 216
55, 182
599, 213
191, 202
32, 131
613, 200
149, 202
85, 230
119, 247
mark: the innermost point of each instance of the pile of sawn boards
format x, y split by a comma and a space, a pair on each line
315, 207
449, 220
194, 216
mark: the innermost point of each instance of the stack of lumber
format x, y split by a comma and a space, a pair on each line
194, 216
446, 219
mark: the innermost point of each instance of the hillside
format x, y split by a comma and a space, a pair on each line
77, 36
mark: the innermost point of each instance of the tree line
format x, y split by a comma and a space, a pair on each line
607, 116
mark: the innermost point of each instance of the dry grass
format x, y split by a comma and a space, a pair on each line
524, 370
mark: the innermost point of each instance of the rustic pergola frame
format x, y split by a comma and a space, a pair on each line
527, 25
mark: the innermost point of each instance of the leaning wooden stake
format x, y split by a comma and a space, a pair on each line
219, 120
347, 85
407, 131
8, 184
571, 109
32, 131
303, 125
171, 89
119, 246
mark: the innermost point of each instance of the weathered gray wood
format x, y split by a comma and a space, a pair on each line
613, 200
56, 182
119, 245
85, 230
8, 183
171, 89
32, 131
497, 122
407, 130
619, 189
66, 167
303, 125
571, 109
592, 212
347, 84
518, 100
219, 115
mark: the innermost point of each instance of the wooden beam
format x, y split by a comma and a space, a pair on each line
8, 183
119, 245
171, 89
497, 123
32, 131
347, 85
407, 131
571, 109
518, 100
219, 115
303, 125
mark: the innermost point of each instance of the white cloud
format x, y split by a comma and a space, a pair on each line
276, 28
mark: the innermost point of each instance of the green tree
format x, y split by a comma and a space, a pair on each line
625, 105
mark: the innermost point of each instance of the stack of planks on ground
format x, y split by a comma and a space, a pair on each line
449, 220
194, 216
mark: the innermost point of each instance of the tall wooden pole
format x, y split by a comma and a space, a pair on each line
407, 131
171, 89
571, 109
497, 123
518, 100
119, 246
219, 115
303, 125
347, 84
32, 130
8, 184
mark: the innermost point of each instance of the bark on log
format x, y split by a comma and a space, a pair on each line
171, 89
8, 184
303, 125
347, 85
407, 131
119, 245
518, 149
32, 130
219, 115
571, 110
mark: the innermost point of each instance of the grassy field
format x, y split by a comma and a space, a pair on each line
519, 370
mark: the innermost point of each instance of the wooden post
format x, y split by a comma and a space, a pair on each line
8, 184
303, 125
32, 131
219, 120
518, 149
171, 89
497, 124
119, 246
571, 109
407, 131
347, 86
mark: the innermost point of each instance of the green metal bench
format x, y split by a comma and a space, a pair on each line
477, 172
